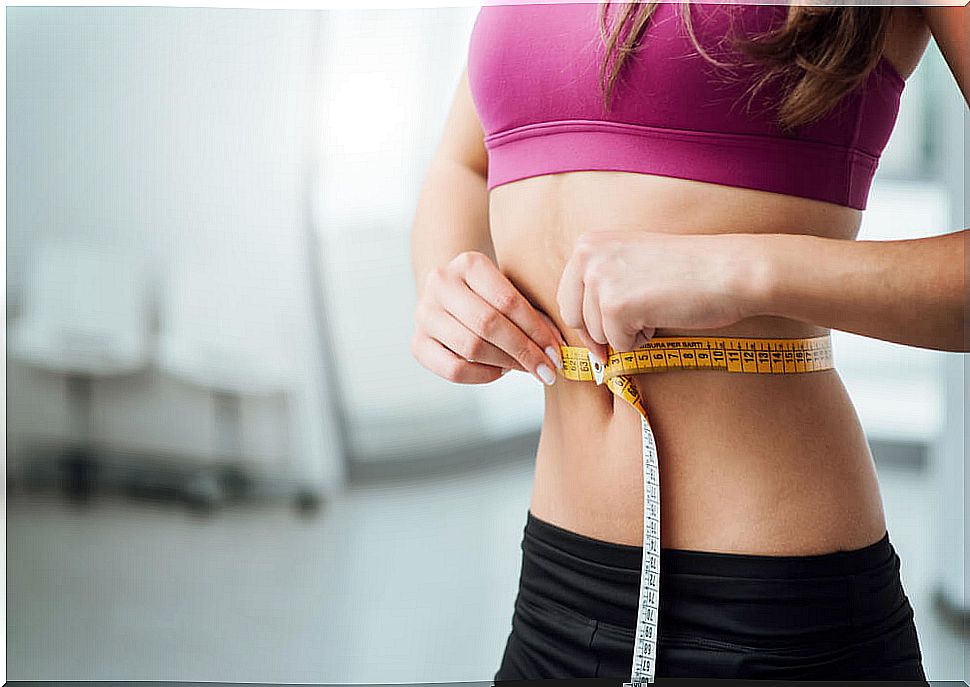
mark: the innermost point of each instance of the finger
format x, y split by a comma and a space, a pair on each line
599, 351
433, 356
592, 317
644, 336
552, 326
619, 332
510, 321
560, 339
463, 342
569, 295
493, 326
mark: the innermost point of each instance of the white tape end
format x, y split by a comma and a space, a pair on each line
597, 369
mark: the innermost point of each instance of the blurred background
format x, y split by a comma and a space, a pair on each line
222, 462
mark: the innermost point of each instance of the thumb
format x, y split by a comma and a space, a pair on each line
552, 326
644, 336
600, 351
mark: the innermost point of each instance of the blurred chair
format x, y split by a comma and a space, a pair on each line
221, 333
85, 314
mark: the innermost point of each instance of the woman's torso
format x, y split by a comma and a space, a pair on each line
757, 464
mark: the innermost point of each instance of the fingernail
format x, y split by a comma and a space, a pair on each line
554, 354
545, 374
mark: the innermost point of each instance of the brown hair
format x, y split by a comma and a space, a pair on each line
820, 53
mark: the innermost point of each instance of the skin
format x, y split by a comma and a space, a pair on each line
772, 465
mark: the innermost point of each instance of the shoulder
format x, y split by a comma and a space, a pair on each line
907, 38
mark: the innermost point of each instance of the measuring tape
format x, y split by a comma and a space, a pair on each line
662, 354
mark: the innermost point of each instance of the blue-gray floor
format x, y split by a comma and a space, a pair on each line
412, 581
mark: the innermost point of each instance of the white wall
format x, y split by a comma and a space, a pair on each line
950, 452
388, 80
182, 132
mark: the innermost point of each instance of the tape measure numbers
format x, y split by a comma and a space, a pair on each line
662, 354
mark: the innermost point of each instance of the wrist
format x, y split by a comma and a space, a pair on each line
759, 272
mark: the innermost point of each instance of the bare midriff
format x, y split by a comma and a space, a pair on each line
758, 464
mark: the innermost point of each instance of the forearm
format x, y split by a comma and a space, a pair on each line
451, 218
911, 292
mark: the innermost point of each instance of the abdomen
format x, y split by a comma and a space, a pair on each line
756, 464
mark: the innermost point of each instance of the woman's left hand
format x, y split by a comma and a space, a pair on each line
619, 286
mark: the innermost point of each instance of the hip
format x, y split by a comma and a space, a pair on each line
841, 615
747, 464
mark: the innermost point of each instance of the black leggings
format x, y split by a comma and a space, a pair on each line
836, 616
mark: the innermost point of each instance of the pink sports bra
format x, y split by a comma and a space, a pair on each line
533, 70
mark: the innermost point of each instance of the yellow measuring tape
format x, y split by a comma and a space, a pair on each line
662, 354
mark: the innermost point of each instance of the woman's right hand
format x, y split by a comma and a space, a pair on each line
473, 325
